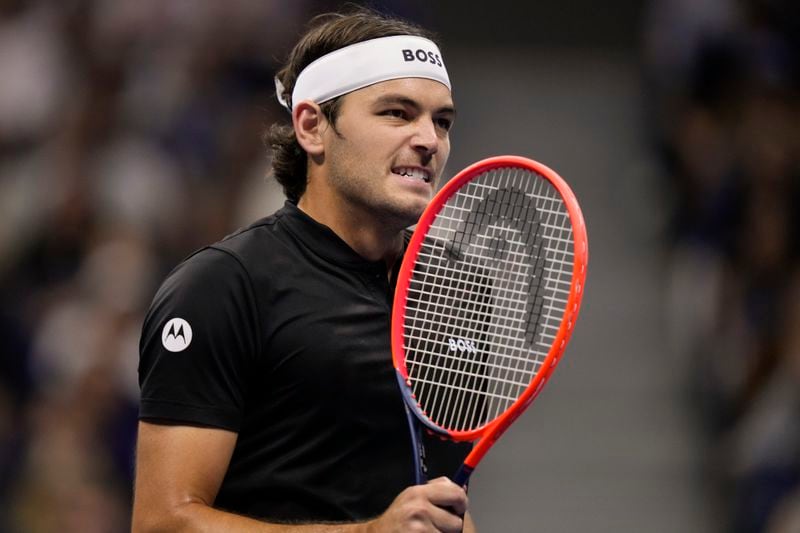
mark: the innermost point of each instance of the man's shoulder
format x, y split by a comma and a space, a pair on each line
252, 246
233, 253
257, 233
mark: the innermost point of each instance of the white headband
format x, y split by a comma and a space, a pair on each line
361, 64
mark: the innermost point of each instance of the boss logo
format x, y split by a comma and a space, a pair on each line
422, 55
462, 345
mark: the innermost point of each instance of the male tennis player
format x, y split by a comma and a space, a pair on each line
269, 401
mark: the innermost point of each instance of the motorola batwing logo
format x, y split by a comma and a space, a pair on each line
176, 335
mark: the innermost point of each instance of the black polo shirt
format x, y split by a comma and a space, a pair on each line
280, 333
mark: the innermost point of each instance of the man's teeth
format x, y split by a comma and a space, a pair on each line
413, 173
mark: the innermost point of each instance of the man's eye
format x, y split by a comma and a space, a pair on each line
444, 123
397, 113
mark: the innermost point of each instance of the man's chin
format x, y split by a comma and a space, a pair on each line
403, 217
414, 213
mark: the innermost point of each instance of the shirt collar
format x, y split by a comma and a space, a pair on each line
323, 241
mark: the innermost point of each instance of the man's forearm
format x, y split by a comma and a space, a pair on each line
198, 517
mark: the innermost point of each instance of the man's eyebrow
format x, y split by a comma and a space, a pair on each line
410, 102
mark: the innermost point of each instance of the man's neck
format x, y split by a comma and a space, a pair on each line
362, 232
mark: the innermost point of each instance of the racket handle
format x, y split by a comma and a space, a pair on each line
462, 478
462, 475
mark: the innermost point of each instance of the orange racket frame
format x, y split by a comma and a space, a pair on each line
490, 432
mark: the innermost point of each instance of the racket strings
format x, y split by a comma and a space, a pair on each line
486, 297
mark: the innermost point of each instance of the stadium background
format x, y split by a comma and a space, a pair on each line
130, 134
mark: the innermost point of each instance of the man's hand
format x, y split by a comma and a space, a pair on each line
436, 507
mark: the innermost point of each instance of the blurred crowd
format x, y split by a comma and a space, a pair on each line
723, 77
130, 135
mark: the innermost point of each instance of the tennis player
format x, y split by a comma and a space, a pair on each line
268, 398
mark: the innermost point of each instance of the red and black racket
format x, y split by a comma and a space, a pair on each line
486, 300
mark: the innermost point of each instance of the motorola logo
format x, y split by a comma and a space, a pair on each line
176, 335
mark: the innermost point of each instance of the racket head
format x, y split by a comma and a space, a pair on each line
548, 226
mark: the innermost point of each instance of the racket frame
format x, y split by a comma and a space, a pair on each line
490, 432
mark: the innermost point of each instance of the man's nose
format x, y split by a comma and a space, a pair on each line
425, 138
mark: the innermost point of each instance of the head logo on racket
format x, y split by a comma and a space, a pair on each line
487, 297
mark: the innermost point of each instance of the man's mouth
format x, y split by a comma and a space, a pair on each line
413, 172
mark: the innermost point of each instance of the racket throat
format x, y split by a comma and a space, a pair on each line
418, 448
461, 478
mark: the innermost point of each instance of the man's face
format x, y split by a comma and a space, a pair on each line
389, 148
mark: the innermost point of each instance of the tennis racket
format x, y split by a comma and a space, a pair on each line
486, 300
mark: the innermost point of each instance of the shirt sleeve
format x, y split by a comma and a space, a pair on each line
199, 343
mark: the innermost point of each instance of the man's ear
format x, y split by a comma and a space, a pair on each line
309, 123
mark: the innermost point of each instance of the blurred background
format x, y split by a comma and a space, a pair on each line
131, 134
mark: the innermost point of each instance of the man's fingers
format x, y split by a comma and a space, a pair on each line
436, 506
446, 521
447, 495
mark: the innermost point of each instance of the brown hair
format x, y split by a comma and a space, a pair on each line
326, 33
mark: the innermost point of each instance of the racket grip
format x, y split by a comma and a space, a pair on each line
462, 475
